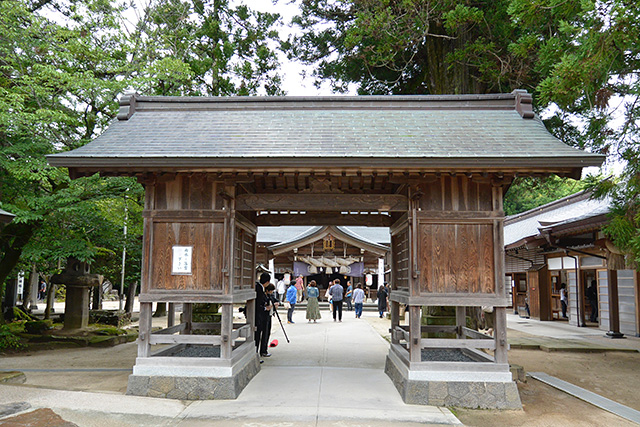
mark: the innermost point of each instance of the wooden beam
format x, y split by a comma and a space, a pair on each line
458, 217
461, 321
186, 339
322, 202
324, 218
456, 343
415, 353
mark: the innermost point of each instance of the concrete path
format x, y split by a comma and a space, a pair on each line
330, 374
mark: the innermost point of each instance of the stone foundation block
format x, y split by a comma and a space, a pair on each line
463, 394
193, 388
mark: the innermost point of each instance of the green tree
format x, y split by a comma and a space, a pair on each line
210, 48
56, 92
530, 192
63, 65
579, 58
411, 46
591, 73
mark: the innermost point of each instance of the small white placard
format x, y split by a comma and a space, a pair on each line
182, 259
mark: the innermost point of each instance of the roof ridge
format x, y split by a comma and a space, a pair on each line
518, 100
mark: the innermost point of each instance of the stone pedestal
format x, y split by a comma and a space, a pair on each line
466, 389
76, 308
190, 378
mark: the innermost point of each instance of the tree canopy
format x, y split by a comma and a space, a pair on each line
63, 65
579, 58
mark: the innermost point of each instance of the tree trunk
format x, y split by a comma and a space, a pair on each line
13, 238
29, 291
161, 310
131, 295
51, 297
96, 298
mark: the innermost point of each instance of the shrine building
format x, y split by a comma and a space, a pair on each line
433, 169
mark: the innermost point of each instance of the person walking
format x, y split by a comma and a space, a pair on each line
337, 295
292, 297
313, 309
263, 308
383, 294
348, 295
358, 300
281, 288
564, 300
299, 288
327, 295
42, 290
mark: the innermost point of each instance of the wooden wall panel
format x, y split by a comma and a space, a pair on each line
400, 256
217, 245
186, 192
456, 193
456, 258
243, 259
161, 196
204, 266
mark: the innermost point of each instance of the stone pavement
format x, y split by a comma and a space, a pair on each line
331, 374
560, 336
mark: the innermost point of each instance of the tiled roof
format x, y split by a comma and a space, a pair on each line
568, 209
250, 132
284, 234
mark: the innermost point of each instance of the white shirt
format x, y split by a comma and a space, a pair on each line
563, 295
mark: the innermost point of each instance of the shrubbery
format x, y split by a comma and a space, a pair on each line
8, 340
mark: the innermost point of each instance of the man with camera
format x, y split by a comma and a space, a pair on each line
263, 315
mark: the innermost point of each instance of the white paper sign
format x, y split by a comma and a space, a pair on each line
182, 259
20, 284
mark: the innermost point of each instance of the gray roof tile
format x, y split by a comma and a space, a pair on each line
207, 131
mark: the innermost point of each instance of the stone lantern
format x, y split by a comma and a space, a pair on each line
78, 280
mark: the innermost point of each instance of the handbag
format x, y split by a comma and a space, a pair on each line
287, 305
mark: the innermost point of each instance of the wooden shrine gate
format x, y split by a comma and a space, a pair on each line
433, 169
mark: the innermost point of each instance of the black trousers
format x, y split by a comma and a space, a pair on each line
337, 309
263, 331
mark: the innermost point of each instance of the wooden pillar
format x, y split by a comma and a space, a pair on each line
500, 334
250, 313
415, 334
171, 315
461, 321
395, 320
226, 331
187, 317
614, 310
144, 346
